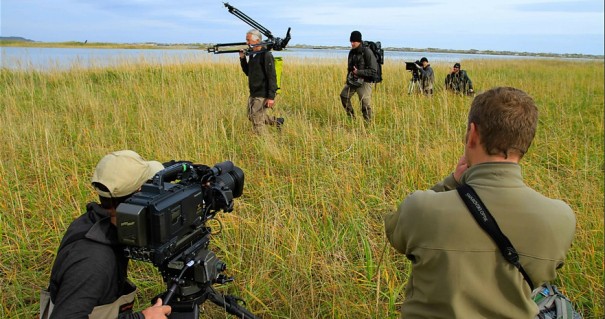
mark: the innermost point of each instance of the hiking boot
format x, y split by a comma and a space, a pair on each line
280, 122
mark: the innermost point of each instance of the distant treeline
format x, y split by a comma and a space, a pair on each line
15, 39
469, 51
20, 40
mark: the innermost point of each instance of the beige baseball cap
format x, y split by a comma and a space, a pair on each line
123, 173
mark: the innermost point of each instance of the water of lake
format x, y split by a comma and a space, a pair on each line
21, 58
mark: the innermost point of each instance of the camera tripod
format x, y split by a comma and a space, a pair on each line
199, 270
414, 86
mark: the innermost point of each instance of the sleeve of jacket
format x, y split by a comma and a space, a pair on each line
426, 74
430, 73
448, 184
271, 76
244, 64
371, 65
468, 81
401, 226
350, 64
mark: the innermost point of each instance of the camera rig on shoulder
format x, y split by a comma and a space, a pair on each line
272, 43
165, 223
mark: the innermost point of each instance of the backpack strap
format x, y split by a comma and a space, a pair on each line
485, 219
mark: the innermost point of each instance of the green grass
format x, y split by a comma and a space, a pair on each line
306, 239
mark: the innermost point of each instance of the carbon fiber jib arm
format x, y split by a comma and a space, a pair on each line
272, 43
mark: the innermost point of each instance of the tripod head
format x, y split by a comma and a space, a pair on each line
272, 43
190, 278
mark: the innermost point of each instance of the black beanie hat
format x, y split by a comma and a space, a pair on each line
355, 36
424, 60
457, 65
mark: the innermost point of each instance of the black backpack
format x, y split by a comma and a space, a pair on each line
378, 52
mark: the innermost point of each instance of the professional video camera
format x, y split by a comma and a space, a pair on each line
415, 84
165, 224
272, 43
414, 67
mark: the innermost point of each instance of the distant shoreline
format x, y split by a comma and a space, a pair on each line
21, 42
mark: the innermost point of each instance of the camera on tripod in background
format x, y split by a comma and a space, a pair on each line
415, 85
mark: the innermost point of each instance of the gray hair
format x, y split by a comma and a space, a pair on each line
255, 34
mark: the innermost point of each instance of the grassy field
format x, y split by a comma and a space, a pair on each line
306, 240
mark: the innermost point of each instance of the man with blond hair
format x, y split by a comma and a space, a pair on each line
458, 271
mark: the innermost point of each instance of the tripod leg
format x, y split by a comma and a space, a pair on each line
230, 304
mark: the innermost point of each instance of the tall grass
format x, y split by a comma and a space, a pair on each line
306, 239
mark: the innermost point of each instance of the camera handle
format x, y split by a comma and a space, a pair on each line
169, 173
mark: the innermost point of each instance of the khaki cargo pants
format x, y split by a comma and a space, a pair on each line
257, 114
365, 98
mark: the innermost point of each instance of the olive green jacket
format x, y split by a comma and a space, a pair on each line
457, 270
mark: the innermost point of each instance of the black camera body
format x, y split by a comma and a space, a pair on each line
165, 224
414, 67
165, 217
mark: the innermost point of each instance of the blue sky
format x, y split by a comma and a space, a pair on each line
566, 26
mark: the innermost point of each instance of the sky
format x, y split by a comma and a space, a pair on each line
537, 26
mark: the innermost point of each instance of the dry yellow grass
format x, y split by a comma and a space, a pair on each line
306, 239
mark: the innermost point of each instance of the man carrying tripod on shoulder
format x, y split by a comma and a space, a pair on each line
361, 68
262, 82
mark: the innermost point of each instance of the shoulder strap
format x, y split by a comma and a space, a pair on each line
485, 219
367, 54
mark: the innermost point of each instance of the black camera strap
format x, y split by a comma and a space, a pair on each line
485, 219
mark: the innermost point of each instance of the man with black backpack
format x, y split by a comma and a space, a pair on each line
458, 271
361, 71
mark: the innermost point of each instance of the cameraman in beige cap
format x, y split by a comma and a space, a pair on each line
89, 276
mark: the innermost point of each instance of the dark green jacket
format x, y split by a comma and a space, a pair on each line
364, 60
89, 269
459, 82
457, 269
262, 79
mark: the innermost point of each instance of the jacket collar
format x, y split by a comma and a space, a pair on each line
494, 174
102, 230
